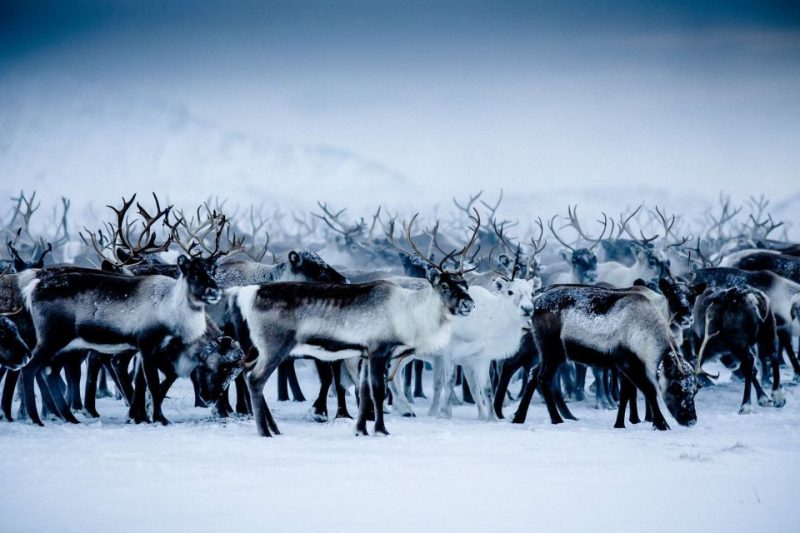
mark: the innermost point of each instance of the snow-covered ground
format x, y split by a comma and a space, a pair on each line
728, 473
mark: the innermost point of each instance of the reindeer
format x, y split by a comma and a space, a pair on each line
377, 321
14, 352
604, 327
492, 331
738, 320
582, 261
783, 294
113, 313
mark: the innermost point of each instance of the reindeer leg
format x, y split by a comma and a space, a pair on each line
747, 368
102, 385
377, 375
527, 396
507, 370
466, 393
29, 372
12, 376
138, 408
93, 365
401, 404
244, 404
407, 376
72, 371
561, 405
364, 399
632, 367
294, 384
117, 368
341, 392
579, 387
419, 368
320, 406
472, 382
439, 388
52, 375
283, 383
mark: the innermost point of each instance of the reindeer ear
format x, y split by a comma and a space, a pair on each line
564, 255
294, 259
433, 276
183, 264
664, 285
504, 260
498, 284
700, 288
225, 344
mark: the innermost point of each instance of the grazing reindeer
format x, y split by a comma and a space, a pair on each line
377, 320
783, 294
112, 313
604, 327
738, 320
14, 352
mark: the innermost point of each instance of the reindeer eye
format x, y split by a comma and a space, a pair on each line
445, 287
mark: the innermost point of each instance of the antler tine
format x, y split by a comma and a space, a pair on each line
493, 209
706, 337
536, 244
472, 199
623, 222
555, 233
501, 236
432, 234
96, 242
602, 233
375, 219
465, 251
122, 214
407, 230
13, 251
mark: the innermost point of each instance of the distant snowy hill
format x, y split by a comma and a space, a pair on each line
92, 145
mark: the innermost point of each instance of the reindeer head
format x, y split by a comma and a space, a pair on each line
199, 275
21, 264
14, 353
679, 386
450, 285
681, 297
519, 291
311, 266
582, 260
221, 360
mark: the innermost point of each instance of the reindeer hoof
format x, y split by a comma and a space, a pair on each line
778, 398
411, 414
381, 431
661, 426
620, 425
343, 414
360, 431
764, 401
746, 409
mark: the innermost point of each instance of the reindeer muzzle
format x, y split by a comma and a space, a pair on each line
212, 295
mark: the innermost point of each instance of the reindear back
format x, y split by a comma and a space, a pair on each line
358, 314
107, 305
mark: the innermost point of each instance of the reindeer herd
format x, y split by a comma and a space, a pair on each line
229, 297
